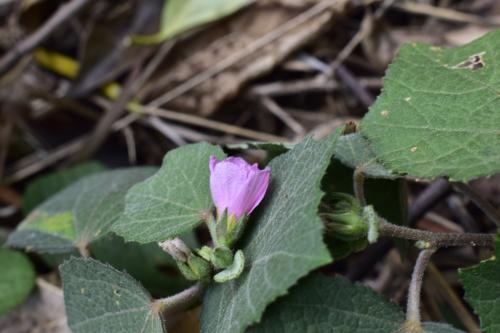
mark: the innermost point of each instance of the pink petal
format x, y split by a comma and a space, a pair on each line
237, 186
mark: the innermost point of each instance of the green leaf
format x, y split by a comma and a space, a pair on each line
143, 262
45, 186
482, 291
438, 116
17, 278
78, 215
283, 242
99, 298
181, 15
322, 304
174, 200
354, 151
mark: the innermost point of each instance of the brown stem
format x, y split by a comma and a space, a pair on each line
439, 239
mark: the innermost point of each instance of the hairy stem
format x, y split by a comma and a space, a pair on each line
358, 186
438, 239
413, 306
182, 301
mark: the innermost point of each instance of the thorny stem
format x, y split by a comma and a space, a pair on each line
182, 301
413, 306
438, 239
491, 212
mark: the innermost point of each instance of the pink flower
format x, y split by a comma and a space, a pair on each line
237, 186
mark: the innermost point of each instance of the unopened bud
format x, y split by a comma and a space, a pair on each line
176, 248
222, 257
346, 221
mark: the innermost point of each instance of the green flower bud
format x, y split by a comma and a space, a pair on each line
199, 266
346, 221
222, 257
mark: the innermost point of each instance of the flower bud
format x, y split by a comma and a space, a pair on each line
346, 221
195, 268
221, 257
237, 186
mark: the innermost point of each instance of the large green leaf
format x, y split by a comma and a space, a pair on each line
99, 298
438, 114
482, 290
174, 200
45, 186
322, 304
17, 278
181, 15
283, 242
78, 215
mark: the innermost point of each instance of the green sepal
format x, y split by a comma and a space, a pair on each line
186, 271
221, 257
233, 271
221, 228
227, 230
196, 268
206, 252
200, 267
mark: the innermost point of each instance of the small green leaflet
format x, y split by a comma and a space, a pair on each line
181, 15
45, 186
482, 291
438, 112
321, 304
174, 200
99, 298
17, 278
283, 242
78, 215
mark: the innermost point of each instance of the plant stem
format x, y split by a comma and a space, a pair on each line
438, 239
491, 212
182, 301
413, 305
358, 185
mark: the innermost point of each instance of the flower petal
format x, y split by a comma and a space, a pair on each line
236, 185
